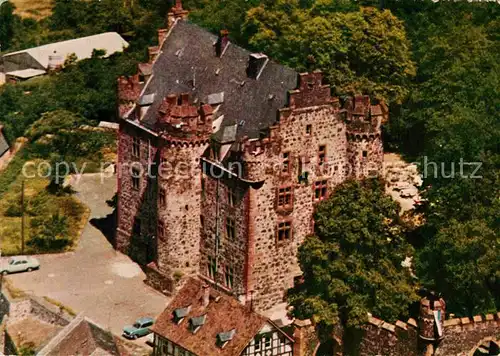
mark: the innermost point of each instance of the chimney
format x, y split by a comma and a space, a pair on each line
172, 99
256, 64
206, 295
153, 53
162, 34
176, 13
184, 99
222, 43
302, 329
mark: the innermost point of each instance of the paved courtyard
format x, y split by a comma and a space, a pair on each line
106, 285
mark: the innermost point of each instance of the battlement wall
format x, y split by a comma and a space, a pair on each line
461, 336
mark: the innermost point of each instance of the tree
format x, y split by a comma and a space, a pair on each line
462, 263
363, 51
49, 232
7, 24
352, 265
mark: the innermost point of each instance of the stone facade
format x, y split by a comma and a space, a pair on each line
234, 211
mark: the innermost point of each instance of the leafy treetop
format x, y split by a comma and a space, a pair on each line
352, 265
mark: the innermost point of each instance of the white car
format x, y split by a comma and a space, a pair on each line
19, 264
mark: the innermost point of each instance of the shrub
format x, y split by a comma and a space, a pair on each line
49, 233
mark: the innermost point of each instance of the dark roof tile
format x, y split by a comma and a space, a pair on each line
245, 100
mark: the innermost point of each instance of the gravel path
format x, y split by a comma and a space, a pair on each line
106, 285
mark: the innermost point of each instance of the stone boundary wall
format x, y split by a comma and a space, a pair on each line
382, 338
461, 336
158, 281
18, 309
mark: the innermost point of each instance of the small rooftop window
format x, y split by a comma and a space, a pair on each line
146, 100
197, 322
216, 98
181, 313
224, 337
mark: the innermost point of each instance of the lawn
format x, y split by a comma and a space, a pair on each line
36, 9
39, 205
54, 218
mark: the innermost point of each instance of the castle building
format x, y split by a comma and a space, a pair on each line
224, 154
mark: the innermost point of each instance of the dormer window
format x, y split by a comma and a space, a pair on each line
180, 313
197, 322
224, 337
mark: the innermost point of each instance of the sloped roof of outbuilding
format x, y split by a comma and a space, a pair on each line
82, 47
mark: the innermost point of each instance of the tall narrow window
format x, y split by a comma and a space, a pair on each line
285, 197
212, 267
230, 229
136, 181
365, 154
321, 155
136, 230
231, 196
320, 190
136, 147
162, 197
309, 129
267, 342
228, 277
161, 230
284, 231
203, 185
286, 163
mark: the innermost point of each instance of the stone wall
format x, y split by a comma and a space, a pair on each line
18, 309
382, 338
232, 251
306, 339
461, 337
297, 138
158, 281
179, 249
135, 206
48, 312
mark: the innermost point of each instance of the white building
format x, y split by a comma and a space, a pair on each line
37, 61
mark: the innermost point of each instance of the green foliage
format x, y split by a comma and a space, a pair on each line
216, 15
462, 263
7, 24
352, 265
54, 121
49, 233
363, 51
452, 117
11, 172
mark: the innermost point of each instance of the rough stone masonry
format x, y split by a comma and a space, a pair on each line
223, 155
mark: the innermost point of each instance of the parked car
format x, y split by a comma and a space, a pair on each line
19, 264
140, 328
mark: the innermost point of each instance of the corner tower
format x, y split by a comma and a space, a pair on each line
365, 152
184, 131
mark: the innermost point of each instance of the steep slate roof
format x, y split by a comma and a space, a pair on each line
83, 47
223, 314
189, 52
